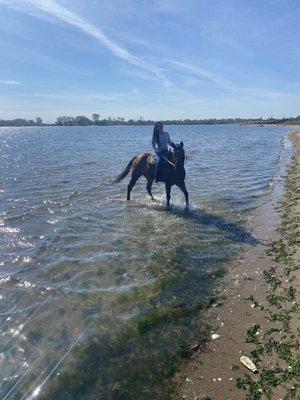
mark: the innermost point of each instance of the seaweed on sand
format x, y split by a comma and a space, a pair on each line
280, 341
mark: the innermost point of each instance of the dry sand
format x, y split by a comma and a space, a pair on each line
259, 317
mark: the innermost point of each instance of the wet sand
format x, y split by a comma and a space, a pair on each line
259, 315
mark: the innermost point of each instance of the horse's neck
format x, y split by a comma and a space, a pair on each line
179, 164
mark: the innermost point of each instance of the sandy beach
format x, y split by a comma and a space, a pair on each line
259, 316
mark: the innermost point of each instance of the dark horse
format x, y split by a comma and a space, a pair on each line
145, 164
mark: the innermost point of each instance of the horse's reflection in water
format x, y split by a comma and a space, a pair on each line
144, 164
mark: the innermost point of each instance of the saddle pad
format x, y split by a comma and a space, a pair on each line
152, 159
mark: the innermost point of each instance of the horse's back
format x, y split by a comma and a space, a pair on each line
144, 158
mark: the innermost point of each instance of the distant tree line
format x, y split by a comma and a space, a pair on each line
21, 122
82, 120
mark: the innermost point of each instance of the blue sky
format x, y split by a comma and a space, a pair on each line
152, 58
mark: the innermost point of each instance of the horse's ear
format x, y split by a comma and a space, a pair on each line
181, 144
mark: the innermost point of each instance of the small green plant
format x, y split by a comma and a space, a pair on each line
234, 367
251, 335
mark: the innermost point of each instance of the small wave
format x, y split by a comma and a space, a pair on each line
17, 218
54, 221
116, 289
8, 229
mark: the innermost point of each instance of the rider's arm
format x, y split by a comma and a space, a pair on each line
170, 143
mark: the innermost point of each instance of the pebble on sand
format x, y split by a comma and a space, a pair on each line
215, 336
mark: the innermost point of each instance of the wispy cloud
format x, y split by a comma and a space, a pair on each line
87, 96
240, 91
63, 14
269, 94
9, 82
203, 73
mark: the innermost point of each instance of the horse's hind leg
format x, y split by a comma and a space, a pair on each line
149, 187
135, 176
131, 184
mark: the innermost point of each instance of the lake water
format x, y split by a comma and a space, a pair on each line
100, 298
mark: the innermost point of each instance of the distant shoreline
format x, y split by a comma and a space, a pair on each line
84, 121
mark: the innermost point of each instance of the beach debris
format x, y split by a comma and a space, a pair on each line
194, 346
215, 336
248, 363
292, 391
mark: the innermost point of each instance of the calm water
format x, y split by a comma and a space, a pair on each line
99, 299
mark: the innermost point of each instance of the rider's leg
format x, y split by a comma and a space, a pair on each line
158, 167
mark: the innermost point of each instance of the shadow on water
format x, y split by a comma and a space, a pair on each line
236, 233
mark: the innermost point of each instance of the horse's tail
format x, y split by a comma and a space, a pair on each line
125, 172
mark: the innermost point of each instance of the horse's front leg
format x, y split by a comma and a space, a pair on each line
181, 186
168, 193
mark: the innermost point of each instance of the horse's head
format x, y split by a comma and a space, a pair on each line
179, 153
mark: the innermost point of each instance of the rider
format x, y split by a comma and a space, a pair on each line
160, 142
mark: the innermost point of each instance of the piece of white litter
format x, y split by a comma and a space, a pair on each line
215, 336
248, 363
219, 379
252, 305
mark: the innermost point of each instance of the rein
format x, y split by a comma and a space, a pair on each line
173, 165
